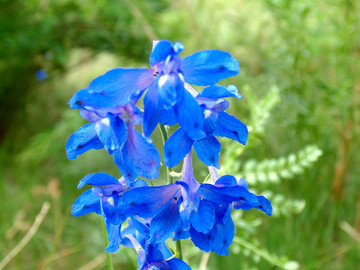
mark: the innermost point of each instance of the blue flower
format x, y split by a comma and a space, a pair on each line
105, 199
113, 130
216, 123
166, 86
191, 209
150, 255
41, 75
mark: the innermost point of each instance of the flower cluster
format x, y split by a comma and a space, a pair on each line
141, 216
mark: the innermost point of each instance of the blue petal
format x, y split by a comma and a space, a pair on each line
226, 195
163, 49
208, 151
111, 210
112, 132
219, 91
263, 205
210, 120
114, 237
116, 87
226, 180
181, 234
209, 67
232, 128
86, 203
148, 201
177, 264
170, 90
224, 236
203, 219
152, 111
82, 140
127, 171
176, 148
140, 155
168, 117
203, 241
98, 179
190, 116
165, 223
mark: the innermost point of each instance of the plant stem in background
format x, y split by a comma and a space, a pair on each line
106, 242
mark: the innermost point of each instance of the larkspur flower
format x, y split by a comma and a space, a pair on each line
166, 86
216, 123
188, 207
113, 130
151, 256
105, 199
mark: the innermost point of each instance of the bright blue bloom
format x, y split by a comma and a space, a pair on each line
105, 199
113, 130
41, 74
188, 208
150, 255
216, 123
166, 86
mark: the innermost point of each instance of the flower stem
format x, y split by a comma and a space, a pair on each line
106, 242
178, 249
165, 136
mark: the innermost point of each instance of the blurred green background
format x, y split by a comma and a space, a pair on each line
300, 80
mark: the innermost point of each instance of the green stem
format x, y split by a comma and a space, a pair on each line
165, 136
106, 242
178, 249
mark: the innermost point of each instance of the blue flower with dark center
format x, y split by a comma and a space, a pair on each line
216, 123
113, 130
165, 82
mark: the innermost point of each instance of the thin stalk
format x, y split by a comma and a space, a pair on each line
165, 136
178, 249
106, 242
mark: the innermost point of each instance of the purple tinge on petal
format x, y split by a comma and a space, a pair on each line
89, 115
148, 201
165, 222
209, 67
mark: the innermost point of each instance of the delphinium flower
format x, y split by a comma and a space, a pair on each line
165, 81
113, 130
187, 208
216, 123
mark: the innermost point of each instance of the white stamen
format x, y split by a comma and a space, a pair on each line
163, 80
105, 121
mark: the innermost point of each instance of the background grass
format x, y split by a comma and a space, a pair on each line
308, 51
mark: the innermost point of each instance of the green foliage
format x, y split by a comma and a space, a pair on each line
300, 63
